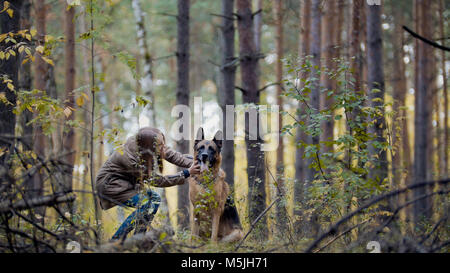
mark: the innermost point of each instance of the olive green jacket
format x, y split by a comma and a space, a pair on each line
122, 175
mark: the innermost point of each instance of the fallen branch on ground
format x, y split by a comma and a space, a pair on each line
48, 200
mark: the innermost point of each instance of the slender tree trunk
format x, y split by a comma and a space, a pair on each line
26, 80
401, 158
258, 21
227, 87
444, 147
329, 47
355, 43
10, 68
255, 157
314, 101
85, 114
183, 99
422, 115
70, 72
300, 168
41, 69
281, 210
375, 76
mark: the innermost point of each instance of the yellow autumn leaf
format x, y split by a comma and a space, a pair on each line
5, 5
28, 36
25, 60
2, 55
3, 36
33, 32
10, 86
12, 52
21, 48
47, 60
85, 96
80, 101
10, 12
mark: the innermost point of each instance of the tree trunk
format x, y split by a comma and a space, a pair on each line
375, 77
279, 37
255, 157
26, 80
69, 133
444, 147
314, 101
227, 87
10, 68
355, 43
300, 168
422, 115
257, 23
183, 99
329, 48
41, 69
400, 140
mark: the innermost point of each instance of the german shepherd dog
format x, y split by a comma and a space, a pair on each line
214, 214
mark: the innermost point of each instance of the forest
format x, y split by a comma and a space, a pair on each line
316, 126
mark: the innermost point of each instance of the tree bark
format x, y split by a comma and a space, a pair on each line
329, 52
355, 43
183, 99
10, 68
26, 79
70, 72
227, 87
314, 101
301, 137
422, 115
41, 68
444, 148
281, 210
255, 157
400, 140
375, 77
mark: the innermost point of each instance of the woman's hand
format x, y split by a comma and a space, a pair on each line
195, 168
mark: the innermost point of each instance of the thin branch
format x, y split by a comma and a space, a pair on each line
223, 16
240, 88
256, 221
425, 40
267, 86
256, 12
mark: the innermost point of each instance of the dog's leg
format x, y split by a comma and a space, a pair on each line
215, 226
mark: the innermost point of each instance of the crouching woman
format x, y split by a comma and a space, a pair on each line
122, 178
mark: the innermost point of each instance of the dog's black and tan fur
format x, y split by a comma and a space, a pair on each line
214, 214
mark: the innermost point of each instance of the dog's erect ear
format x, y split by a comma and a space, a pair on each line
218, 139
200, 136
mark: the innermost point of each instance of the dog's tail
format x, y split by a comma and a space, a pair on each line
230, 217
230, 213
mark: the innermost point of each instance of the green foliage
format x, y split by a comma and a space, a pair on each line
342, 179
